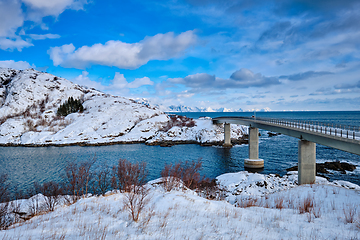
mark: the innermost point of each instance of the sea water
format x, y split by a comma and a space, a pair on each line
26, 165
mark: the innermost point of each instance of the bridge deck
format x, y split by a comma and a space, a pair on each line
294, 130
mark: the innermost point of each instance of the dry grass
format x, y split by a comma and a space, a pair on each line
350, 213
306, 205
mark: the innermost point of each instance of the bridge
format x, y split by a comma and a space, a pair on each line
345, 138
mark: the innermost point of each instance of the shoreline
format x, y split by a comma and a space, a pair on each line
158, 143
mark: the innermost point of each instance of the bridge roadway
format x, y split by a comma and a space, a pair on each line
308, 133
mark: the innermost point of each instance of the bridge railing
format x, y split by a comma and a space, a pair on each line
339, 130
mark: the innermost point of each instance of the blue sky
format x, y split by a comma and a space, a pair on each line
248, 54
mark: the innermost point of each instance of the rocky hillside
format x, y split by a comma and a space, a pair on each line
28, 115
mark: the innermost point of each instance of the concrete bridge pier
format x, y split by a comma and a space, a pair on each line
227, 138
306, 162
253, 161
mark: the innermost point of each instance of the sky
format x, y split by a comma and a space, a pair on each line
248, 54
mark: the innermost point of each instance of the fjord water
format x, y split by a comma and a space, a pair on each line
26, 165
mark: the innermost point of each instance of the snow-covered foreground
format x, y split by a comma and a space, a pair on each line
254, 206
28, 116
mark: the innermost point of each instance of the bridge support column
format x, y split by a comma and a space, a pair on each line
253, 161
306, 162
227, 139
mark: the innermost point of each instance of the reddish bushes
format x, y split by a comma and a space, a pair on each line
179, 121
126, 174
77, 178
187, 173
131, 178
52, 192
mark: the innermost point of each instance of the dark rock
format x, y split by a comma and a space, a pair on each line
271, 134
324, 167
166, 144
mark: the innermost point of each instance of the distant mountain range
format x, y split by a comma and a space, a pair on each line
182, 108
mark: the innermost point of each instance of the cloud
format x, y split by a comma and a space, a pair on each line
40, 8
123, 55
14, 13
11, 17
347, 85
243, 78
16, 65
11, 44
276, 31
118, 84
198, 80
305, 75
339, 89
138, 82
84, 80
44, 36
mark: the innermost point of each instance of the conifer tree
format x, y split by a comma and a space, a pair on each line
70, 106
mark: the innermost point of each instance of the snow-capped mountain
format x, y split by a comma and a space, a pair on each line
29, 101
182, 108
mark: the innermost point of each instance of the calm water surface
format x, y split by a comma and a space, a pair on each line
26, 165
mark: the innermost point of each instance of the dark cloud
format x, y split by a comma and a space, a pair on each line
198, 80
347, 85
242, 78
278, 30
305, 75
245, 78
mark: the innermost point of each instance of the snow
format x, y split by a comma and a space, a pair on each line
29, 100
270, 212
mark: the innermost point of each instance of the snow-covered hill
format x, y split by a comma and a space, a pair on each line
29, 101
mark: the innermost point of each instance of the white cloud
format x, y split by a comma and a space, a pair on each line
41, 8
138, 82
84, 80
57, 54
118, 85
44, 36
16, 65
11, 17
123, 55
11, 44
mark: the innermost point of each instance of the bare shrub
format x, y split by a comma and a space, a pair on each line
350, 213
306, 205
4, 188
4, 223
101, 182
209, 189
187, 172
77, 178
179, 121
30, 125
4, 197
52, 193
136, 200
42, 122
279, 203
126, 175
245, 203
131, 178
317, 211
171, 175
34, 206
